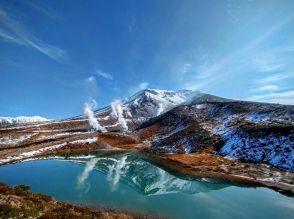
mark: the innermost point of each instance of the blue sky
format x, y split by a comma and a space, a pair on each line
55, 55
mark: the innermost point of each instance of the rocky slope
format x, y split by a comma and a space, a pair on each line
249, 131
140, 107
131, 112
192, 132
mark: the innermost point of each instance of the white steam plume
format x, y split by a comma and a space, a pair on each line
117, 112
160, 109
90, 114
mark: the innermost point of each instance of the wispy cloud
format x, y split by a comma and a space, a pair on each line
91, 80
46, 11
143, 85
273, 89
276, 77
230, 11
90, 84
131, 26
270, 32
286, 97
266, 64
269, 87
14, 32
207, 74
275, 68
275, 59
140, 86
104, 74
260, 68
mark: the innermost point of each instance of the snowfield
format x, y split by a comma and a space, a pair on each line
84, 141
30, 154
7, 121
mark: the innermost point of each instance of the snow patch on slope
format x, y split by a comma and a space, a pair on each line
273, 149
84, 141
276, 149
16, 140
30, 154
162, 99
21, 120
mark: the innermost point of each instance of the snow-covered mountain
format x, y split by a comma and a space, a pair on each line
140, 107
174, 122
151, 102
7, 121
186, 121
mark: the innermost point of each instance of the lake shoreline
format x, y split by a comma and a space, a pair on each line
101, 181
198, 165
19, 201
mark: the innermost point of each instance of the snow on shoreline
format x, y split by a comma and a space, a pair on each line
30, 154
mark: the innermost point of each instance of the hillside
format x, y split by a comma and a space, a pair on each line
189, 132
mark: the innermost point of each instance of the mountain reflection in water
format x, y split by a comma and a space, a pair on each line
130, 182
141, 175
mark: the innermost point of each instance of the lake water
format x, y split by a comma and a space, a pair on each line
130, 182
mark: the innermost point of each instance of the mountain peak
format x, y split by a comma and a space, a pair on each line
178, 95
143, 105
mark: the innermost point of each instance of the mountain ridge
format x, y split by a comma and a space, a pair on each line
8, 121
192, 133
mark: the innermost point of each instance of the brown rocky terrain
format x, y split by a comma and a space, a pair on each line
19, 202
203, 161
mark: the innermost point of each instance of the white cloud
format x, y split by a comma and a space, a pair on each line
286, 97
274, 93
271, 31
14, 32
276, 73
91, 80
269, 87
44, 10
230, 11
186, 68
90, 84
139, 87
104, 74
276, 77
266, 64
193, 73
208, 75
143, 85
275, 59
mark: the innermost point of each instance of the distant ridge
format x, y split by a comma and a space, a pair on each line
7, 121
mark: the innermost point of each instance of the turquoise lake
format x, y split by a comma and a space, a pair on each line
129, 182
